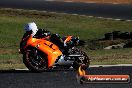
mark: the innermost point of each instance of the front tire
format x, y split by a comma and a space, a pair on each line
35, 60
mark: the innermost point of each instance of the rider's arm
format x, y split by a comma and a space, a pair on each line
42, 33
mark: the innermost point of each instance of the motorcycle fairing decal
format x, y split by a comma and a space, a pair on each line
45, 46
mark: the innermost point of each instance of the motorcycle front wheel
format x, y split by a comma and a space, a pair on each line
35, 60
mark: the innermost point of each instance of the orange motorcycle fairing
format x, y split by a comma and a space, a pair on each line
50, 49
68, 38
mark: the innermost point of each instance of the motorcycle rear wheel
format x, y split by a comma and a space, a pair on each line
81, 62
35, 60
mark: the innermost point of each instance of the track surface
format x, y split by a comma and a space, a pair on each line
118, 11
58, 79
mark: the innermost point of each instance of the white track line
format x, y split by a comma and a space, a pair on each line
91, 66
117, 65
90, 2
25, 69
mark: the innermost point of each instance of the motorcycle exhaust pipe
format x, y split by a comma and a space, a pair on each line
62, 61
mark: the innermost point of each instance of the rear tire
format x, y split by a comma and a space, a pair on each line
35, 60
85, 62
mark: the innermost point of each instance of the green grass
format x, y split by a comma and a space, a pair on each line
12, 24
116, 56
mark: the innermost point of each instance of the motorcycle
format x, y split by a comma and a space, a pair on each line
42, 55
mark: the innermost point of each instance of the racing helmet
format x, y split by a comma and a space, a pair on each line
31, 26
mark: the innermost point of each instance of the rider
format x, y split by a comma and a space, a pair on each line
32, 29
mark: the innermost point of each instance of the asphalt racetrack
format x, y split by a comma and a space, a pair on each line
59, 78
117, 11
